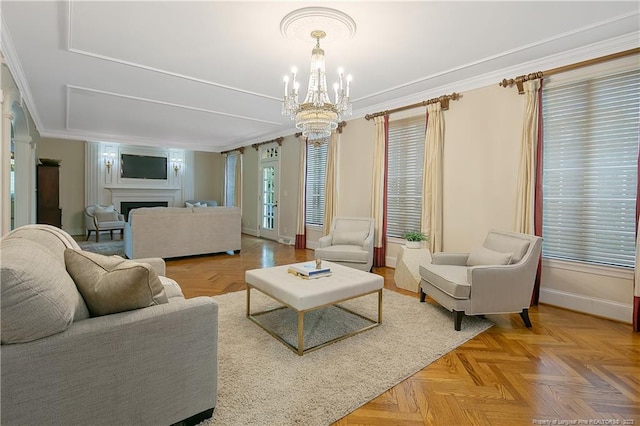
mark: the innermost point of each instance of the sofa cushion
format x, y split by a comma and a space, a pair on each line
38, 296
451, 279
483, 256
342, 253
111, 284
355, 238
507, 244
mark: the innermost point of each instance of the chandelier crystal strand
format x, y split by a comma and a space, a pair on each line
317, 117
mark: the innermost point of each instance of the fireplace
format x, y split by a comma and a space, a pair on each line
126, 206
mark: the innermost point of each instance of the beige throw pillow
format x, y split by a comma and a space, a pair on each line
111, 284
107, 216
483, 256
353, 238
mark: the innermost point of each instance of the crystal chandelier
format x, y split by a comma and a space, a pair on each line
317, 116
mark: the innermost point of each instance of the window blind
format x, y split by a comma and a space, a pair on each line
316, 172
230, 180
591, 134
404, 175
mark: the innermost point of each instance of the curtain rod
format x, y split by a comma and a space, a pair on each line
444, 101
241, 150
539, 74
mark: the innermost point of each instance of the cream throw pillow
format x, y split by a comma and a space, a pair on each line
111, 284
107, 216
483, 256
350, 238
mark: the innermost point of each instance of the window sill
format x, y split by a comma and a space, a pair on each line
587, 268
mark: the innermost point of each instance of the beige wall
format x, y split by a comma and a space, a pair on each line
71, 179
208, 177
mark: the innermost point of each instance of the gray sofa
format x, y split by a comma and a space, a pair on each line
181, 231
62, 366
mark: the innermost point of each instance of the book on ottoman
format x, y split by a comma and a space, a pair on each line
308, 270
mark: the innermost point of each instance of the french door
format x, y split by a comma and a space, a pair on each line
269, 200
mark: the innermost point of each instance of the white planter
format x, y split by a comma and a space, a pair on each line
414, 244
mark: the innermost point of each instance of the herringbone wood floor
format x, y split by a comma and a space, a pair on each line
570, 367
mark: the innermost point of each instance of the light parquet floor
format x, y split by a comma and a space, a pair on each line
570, 368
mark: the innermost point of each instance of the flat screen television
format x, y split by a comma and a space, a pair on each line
143, 167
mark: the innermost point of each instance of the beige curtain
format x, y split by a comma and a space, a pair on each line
301, 235
330, 183
525, 202
432, 177
237, 201
378, 195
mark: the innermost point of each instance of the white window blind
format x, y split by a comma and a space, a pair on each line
230, 180
404, 175
316, 172
590, 169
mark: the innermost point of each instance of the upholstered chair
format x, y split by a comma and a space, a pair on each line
350, 243
497, 277
98, 218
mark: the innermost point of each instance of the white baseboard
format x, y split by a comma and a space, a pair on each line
250, 231
312, 245
290, 241
75, 232
390, 262
576, 302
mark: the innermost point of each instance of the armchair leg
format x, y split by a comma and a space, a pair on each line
525, 317
423, 295
458, 315
88, 234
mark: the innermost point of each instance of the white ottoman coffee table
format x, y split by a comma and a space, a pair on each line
305, 295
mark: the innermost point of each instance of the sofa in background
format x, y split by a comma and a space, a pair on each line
61, 364
181, 231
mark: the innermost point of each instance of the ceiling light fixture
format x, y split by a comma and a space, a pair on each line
316, 116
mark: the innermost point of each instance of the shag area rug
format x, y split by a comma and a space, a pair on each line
262, 382
106, 247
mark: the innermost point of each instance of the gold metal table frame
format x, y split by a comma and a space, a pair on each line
300, 348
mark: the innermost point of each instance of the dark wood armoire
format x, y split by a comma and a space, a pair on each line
48, 195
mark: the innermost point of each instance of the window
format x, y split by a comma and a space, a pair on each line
316, 171
590, 169
230, 179
404, 175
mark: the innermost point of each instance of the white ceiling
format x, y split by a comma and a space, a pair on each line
208, 75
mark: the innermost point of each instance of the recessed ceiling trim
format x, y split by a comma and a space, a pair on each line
502, 54
154, 101
72, 49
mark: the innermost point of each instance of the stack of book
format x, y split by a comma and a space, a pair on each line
309, 271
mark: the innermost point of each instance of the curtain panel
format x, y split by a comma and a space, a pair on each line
378, 199
525, 200
636, 275
432, 206
301, 230
537, 213
238, 182
330, 183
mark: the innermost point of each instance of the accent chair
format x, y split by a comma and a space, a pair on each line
98, 218
349, 243
497, 277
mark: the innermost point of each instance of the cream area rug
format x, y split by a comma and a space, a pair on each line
262, 382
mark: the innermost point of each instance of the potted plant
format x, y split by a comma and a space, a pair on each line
414, 239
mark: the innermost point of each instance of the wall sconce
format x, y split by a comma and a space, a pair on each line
109, 158
177, 164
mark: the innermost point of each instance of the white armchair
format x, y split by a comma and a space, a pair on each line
98, 218
350, 243
497, 277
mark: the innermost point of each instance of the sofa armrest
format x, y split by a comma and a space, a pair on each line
325, 241
459, 259
157, 263
156, 365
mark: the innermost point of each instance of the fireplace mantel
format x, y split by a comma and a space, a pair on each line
129, 194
